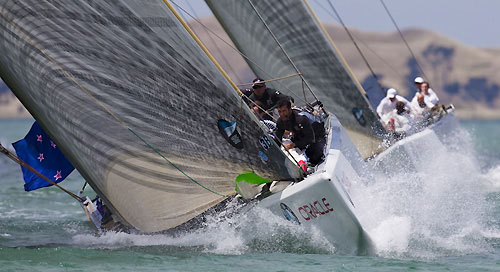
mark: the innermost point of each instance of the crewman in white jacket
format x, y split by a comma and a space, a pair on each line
388, 103
423, 87
399, 121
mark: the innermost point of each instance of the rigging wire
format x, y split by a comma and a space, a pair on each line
402, 37
198, 41
270, 80
175, 166
357, 47
219, 51
240, 53
87, 92
34, 171
265, 81
336, 49
361, 41
243, 95
282, 49
202, 46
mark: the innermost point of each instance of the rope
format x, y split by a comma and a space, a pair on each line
360, 40
357, 47
282, 49
83, 187
402, 37
261, 108
201, 45
336, 49
175, 166
69, 76
304, 90
27, 166
218, 66
271, 80
223, 56
239, 52
394, 70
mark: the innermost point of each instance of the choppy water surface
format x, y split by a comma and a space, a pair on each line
443, 218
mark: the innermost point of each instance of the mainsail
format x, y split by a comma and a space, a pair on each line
310, 49
134, 104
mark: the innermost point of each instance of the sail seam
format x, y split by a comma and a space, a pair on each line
68, 75
212, 40
123, 124
282, 49
202, 46
175, 166
245, 57
336, 49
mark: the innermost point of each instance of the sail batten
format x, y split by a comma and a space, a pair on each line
116, 84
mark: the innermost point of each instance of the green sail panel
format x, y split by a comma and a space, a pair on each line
117, 83
311, 51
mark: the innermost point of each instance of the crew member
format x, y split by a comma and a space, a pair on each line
267, 96
399, 121
421, 110
430, 96
301, 131
423, 87
261, 115
388, 103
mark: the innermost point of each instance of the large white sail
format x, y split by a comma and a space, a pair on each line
310, 49
134, 104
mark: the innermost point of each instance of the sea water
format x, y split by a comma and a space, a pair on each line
445, 218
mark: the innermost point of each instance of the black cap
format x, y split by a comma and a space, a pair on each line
257, 83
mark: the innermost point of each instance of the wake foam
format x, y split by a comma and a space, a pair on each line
257, 231
439, 211
492, 175
442, 210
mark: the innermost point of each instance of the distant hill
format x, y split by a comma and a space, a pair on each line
465, 76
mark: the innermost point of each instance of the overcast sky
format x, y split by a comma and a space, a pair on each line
472, 22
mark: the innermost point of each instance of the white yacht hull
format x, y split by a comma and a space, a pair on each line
411, 154
446, 130
322, 200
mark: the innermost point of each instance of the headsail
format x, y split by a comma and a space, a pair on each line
134, 104
315, 56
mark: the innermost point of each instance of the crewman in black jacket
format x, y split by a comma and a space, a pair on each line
267, 96
302, 132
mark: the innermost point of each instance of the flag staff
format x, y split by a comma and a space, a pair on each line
27, 166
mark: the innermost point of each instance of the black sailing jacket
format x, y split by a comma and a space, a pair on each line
299, 125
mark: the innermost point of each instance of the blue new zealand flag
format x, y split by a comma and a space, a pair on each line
37, 150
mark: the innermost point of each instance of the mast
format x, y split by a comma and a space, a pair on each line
309, 50
282, 49
202, 46
159, 159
